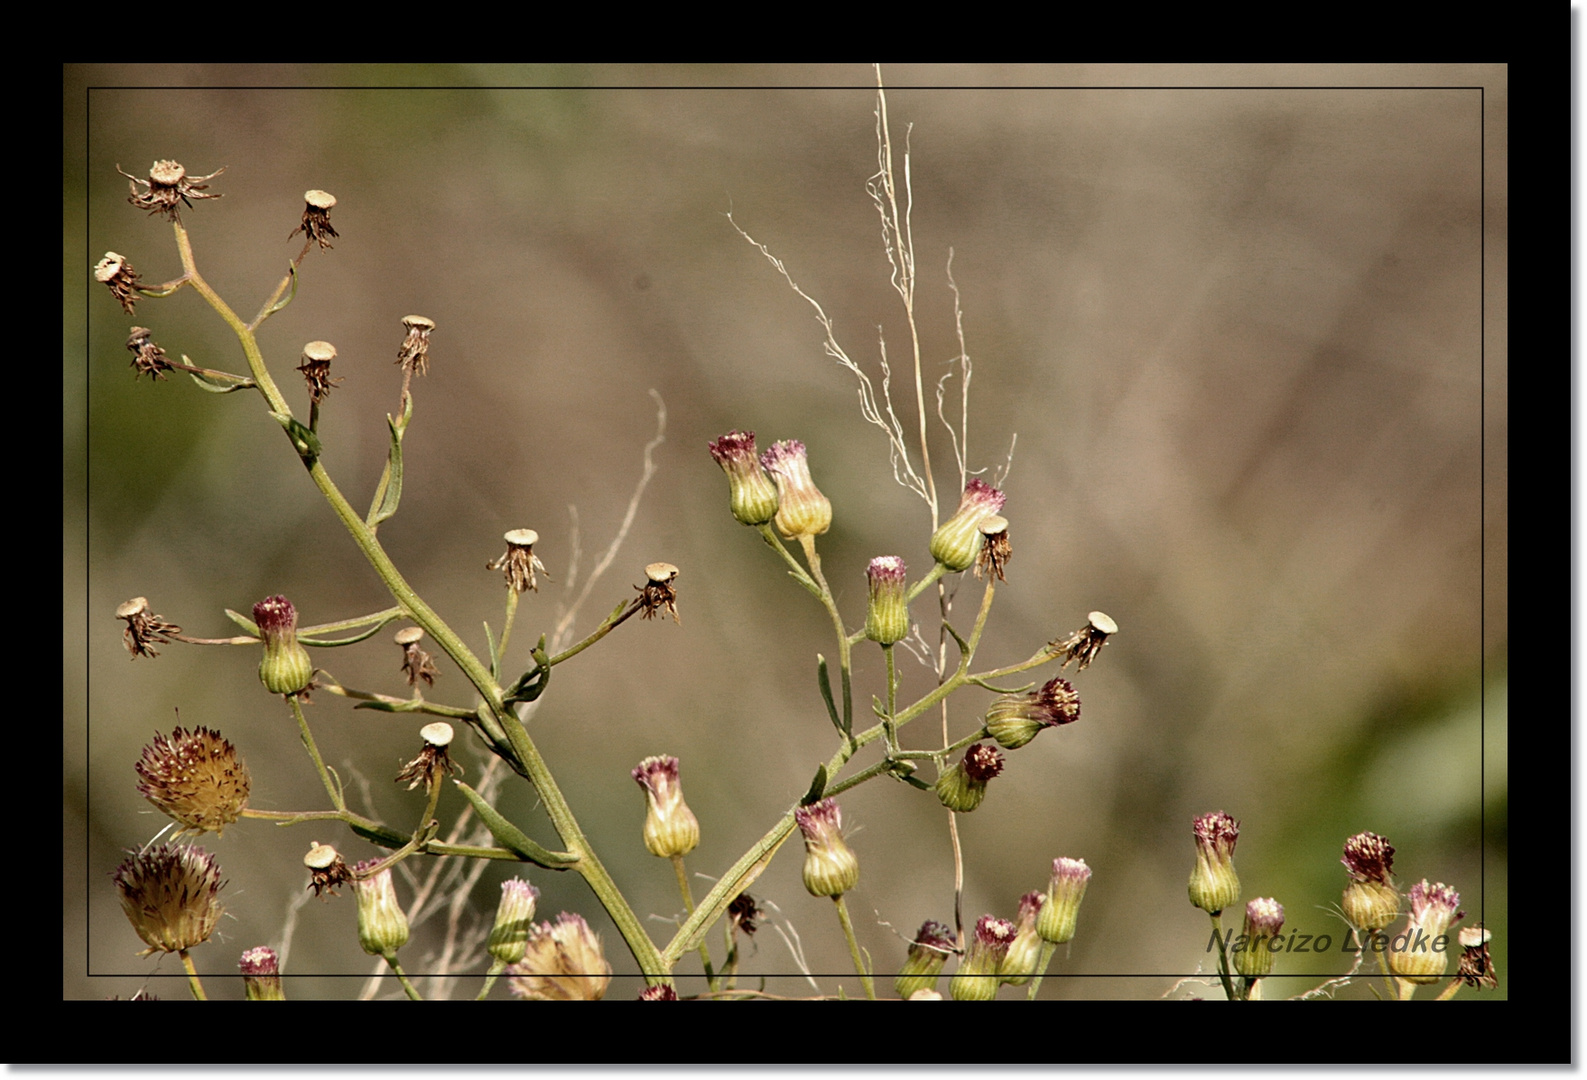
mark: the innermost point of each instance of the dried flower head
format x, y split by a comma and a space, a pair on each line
831, 868
167, 187
261, 974
1213, 883
316, 223
415, 352
1476, 966
801, 508
433, 762
995, 548
932, 946
416, 663
962, 787
117, 274
1425, 954
744, 912
1084, 644
957, 541
1370, 900
144, 629
978, 976
170, 894
671, 828
658, 592
751, 496
147, 357
316, 369
196, 778
563, 961
1016, 719
327, 869
519, 562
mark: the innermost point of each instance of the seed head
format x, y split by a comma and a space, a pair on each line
519, 562
326, 868
316, 369
415, 352
563, 961
658, 592
117, 274
147, 357
1084, 644
194, 777
995, 548
168, 188
144, 629
316, 223
170, 894
416, 663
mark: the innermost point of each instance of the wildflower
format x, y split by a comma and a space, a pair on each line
957, 541
1264, 918
932, 946
520, 562
416, 663
316, 369
415, 352
433, 763
1213, 883
1476, 966
1016, 719
168, 184
1061, 912
143, 629
147, 357
1084, 644
887, 615
752, 497
327, 868
563, 961
995, 549
801, 508
659, 992
830, 867
962, 787
117, 274
671, 828
1419, 953
316, 223
382, 924
509, 936
261, 974
658, 592
194, 777
170, 896
1370, 900
286, 667
1024, 953
977, 977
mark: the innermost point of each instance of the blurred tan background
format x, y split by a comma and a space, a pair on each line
1236, 317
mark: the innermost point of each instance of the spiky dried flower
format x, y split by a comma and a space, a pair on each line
116, 273
316, 369
168, 188
995, 548
416, 663
1476, 966
327, 868
658, 592
563, 961
415, 352
433, 762
147, 357
519, 562
316, 223
744, 913
1084, 644
194, 777
170, 894
144, 629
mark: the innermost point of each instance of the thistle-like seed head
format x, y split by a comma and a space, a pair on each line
170, 895
195, 778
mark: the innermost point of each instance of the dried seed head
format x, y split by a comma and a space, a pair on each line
415, 352
316, 221
169, 894
1476, 966
434, 761
168, 188
995, 549
416, 663
327, 869
519, 563
743, 913
116, 273
196, 778
147, 357
658, 592
1084, 644
316, 369
144, 629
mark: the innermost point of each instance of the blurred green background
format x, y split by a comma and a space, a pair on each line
1236, 317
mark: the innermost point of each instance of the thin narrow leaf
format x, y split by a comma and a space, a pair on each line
825, 683
389, 491
380, 834
511, 837
304, 441
243, 621
817, 787
219, 382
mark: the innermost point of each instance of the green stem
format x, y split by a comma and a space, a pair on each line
390, 957
854, 947
1047, 949
314, 752
688, 903
496, 968
506, 625
192, 976
1223, 955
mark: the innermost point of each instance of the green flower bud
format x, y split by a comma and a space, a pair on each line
382, 925
1417, 954
830, 867
514, 916
751, 496
927, 953
977, 978
286, 667
670, 826
962, 787
958, 540
1213, 883
1016, 719
1061, 912
887, 616
1024, 952
1370, 901
261, 975
1264, 918
801, 508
